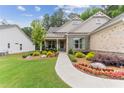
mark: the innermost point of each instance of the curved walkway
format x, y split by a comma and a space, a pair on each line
77, 79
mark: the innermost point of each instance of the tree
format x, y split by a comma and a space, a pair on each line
110, 10
38, 33
27, 31
72, 15
46, 21
58, 18
53, 21
114, 10
89, 12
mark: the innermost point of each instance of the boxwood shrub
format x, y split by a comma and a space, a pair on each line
36, 53
90, 55
79, 55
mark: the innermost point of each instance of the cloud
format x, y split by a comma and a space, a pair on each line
27, 15
40, 17
21, 8
81, 6
37, 8
71, 8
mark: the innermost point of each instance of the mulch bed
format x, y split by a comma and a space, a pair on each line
83, 60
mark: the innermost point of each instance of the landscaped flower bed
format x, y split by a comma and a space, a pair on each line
39, 54
106, 66
105, 73
109, 60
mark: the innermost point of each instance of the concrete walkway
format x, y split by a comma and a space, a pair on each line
77, 79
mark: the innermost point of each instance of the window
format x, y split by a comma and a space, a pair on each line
8, 45
78, 43
51, 44
20, 46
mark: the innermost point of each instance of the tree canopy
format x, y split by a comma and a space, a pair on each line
46, 21
89, 12
38, 33
55, 20
27, 31
59, 17
110, 10
114, 10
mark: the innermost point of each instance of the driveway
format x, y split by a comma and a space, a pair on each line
77, 79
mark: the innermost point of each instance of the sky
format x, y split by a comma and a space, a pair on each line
23, 15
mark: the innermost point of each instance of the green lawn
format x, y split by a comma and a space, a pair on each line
18, 73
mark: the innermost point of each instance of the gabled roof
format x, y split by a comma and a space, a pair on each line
68, 26
6, 26
53, 29
100, 14
97, 15
111, 22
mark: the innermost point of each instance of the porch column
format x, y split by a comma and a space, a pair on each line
45, 44
57, 44
67, 44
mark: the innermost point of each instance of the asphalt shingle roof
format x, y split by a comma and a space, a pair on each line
53, 29
6, 26
111, 22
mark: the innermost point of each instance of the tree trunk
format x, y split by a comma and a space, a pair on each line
40, 46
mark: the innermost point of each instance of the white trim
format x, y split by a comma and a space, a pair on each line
74, 30
105, 27
54, 38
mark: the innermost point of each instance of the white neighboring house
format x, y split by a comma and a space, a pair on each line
14, 40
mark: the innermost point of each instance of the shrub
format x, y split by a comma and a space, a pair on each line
109, 60
49, 53
90, 55
72, 58
79, 55
31, 53
44, 52
36, 53
25, 55
55, 50
70, 51
85, 52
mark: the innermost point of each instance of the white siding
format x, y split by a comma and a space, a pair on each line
14, 35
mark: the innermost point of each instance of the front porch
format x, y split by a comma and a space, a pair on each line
55, 44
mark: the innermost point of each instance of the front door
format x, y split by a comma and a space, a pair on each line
62, 45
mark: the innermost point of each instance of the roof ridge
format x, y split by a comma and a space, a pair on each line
88, 20
68, 23
111, 22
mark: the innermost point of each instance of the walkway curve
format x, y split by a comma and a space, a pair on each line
77, 79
